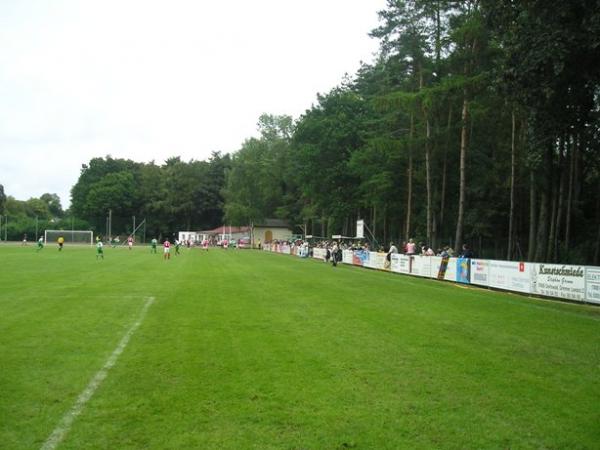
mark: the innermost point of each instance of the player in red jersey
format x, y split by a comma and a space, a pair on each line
130, 242
205, 244
167, 249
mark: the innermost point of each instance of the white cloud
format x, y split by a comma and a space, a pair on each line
148, 79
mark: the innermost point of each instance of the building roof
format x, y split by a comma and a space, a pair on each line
267, 223
227, 229
273, 223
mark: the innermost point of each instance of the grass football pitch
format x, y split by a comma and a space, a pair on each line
243, 349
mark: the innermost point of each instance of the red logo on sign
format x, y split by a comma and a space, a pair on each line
521, 267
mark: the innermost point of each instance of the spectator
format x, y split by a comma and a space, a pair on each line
466, 252
411, 247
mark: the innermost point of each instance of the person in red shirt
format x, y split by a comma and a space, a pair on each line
167, 249
130, 242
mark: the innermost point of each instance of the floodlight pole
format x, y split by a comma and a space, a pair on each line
6, 228
36, 227
133, 228
110, 223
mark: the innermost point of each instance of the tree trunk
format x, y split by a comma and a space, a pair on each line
444, 170
462, 186
385, 234
513, 168
561, 193
596, 259
409, 179
428, 178
570, 194
553, 219
375, 222
542, 236
532, 216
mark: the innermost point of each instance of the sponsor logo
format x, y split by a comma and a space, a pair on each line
563, 271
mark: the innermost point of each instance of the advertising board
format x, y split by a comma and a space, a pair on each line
561, 281
400, 263
360, 258
417, 266
592, 284
510, 275
463, 268
480, 270
347, 256
319, 253
375, 261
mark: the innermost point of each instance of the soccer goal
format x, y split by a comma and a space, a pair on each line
70, 236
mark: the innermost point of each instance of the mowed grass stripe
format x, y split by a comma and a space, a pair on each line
253, 350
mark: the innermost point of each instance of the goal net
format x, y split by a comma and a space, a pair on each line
70, 236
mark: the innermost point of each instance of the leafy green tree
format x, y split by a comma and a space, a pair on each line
2, 199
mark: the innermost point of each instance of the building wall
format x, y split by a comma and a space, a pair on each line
278, 233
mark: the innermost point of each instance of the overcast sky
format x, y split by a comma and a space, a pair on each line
147, 80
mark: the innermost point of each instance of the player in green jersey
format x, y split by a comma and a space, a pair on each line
99, 250
153, 243
40, 244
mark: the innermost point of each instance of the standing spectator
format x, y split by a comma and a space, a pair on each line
388, 258
466, 252
411, 247
334, 254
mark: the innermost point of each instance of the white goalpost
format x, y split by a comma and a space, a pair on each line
70, 236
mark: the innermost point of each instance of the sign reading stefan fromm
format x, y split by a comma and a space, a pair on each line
559, 281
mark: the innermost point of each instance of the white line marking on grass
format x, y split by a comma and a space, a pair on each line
64, 425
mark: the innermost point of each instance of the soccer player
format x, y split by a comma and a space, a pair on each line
167, 250
153, 245
205, 244
99, 250
40, 244
130, 242
61, 241
177, 245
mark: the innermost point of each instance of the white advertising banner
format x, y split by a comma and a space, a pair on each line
421, 266
480, 271
561, 281
347, 256
511, 275
375, 261
400, 263
592, 284
319, 253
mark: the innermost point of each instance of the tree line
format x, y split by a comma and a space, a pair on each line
477, 122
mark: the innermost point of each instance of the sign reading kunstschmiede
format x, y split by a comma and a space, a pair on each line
561, 281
